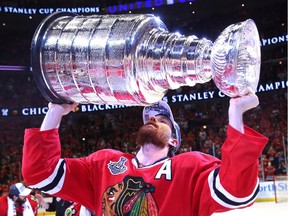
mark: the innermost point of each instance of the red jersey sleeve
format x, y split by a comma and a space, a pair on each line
41, 153
43, 169
235, 183
239, 160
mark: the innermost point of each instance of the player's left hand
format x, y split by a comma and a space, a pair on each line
245, 102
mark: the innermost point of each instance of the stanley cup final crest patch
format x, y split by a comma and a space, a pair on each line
118, 167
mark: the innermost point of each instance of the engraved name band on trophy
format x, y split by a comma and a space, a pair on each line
135, 60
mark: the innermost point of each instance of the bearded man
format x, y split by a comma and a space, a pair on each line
18, 202
156, 181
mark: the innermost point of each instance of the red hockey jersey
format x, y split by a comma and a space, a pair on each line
110, 182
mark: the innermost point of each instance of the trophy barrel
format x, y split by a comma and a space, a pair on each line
38, 40
91, 59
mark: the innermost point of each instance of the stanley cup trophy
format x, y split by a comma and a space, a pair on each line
134, 60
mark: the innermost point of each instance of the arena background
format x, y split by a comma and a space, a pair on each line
203, 120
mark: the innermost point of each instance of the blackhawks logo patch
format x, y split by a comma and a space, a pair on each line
130, 197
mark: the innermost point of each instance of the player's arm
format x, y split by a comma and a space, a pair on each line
42, 165
42, 147
236, 183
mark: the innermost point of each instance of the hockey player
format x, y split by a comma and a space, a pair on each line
154, 182
18, 202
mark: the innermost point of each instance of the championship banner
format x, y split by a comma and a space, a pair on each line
46, 11
119, 8
171, 99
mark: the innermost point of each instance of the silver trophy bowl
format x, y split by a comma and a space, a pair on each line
135, 60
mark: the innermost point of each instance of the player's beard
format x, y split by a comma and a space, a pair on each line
20, 201
159, 136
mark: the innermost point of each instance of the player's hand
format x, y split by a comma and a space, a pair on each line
55, 112
245, 102
63, 109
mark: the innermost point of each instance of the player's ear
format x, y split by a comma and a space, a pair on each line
173, 142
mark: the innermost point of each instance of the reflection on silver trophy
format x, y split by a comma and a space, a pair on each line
135, 60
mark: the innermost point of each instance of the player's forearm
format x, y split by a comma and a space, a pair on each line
236, 119
238, 106
52, 119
